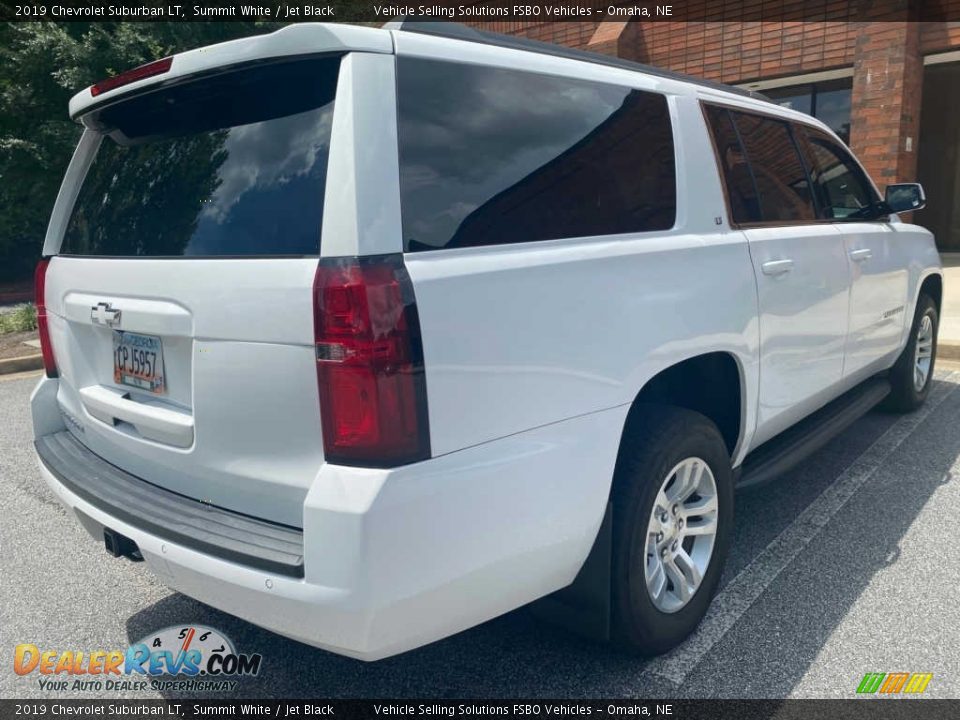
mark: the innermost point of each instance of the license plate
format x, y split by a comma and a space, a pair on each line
138, 361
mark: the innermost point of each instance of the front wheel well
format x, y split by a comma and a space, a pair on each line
932, 286
708, 384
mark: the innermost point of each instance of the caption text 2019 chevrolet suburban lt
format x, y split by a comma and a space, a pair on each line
370, 335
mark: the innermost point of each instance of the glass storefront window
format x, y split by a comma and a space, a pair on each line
826, 101
798, 97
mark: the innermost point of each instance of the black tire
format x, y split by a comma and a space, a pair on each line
656, 440
904, 395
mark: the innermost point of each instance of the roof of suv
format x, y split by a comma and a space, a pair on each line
306, 38
457, 31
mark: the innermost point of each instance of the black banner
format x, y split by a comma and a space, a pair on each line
854, 709
375, 11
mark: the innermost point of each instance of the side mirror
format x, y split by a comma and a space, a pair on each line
905, 197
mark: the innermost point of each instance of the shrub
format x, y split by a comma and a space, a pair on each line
20, 319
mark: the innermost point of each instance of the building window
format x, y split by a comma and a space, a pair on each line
826, 101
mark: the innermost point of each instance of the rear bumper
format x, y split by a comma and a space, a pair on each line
394, 559
211, 530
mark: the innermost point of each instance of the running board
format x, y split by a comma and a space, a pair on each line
779, 454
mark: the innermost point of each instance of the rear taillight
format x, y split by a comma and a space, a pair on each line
40, 287
373, 399
157, 67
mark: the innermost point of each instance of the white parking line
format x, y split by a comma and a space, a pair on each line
736, 598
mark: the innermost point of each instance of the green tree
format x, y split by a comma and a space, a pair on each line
41, 66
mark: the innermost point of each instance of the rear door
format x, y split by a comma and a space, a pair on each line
180, 299
878, 262
800, 266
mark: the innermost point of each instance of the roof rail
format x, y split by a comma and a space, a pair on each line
458, 31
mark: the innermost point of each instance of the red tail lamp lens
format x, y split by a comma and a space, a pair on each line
40, 289
370, 374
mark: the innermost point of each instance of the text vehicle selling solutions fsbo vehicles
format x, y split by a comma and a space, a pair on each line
368, 335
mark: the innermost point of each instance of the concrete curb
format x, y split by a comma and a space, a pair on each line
21, 364
948, 350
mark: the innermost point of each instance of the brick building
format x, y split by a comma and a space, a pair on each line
887, 82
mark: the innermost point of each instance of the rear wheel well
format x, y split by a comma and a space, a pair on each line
708, 384
933, 287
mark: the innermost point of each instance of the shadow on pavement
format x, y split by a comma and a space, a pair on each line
764, 655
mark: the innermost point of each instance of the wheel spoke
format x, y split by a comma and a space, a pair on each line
681, 584
689, 569
702, 506
680, 482
704, 525
688, 478
661, 504
657, 582
655, 525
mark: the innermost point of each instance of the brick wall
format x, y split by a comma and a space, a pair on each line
735, 52
572, 34
940, 36
938, 33
887, 58
885, 112
732, 52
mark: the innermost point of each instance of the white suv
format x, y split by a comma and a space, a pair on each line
370, 335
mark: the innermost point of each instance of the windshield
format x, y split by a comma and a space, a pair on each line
229, 165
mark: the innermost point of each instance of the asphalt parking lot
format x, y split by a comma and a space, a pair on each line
850, 564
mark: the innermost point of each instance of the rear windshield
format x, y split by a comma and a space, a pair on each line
230, 165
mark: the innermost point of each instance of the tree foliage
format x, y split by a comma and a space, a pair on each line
41, 66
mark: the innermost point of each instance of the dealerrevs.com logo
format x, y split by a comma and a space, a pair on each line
185, 658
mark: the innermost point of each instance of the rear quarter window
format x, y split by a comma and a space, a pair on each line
231, 165
492, 156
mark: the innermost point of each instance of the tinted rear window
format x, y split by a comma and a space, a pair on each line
231, 165
492, 156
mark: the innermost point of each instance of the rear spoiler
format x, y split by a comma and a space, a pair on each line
301, 39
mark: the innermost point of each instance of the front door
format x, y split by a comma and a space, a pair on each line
878, 266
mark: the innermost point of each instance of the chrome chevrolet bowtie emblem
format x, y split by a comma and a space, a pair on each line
103, 314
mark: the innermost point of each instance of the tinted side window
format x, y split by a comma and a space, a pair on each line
491, 156
843, 190
781, 179
741, 191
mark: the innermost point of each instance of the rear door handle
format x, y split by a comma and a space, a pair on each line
861, 254
777, 267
